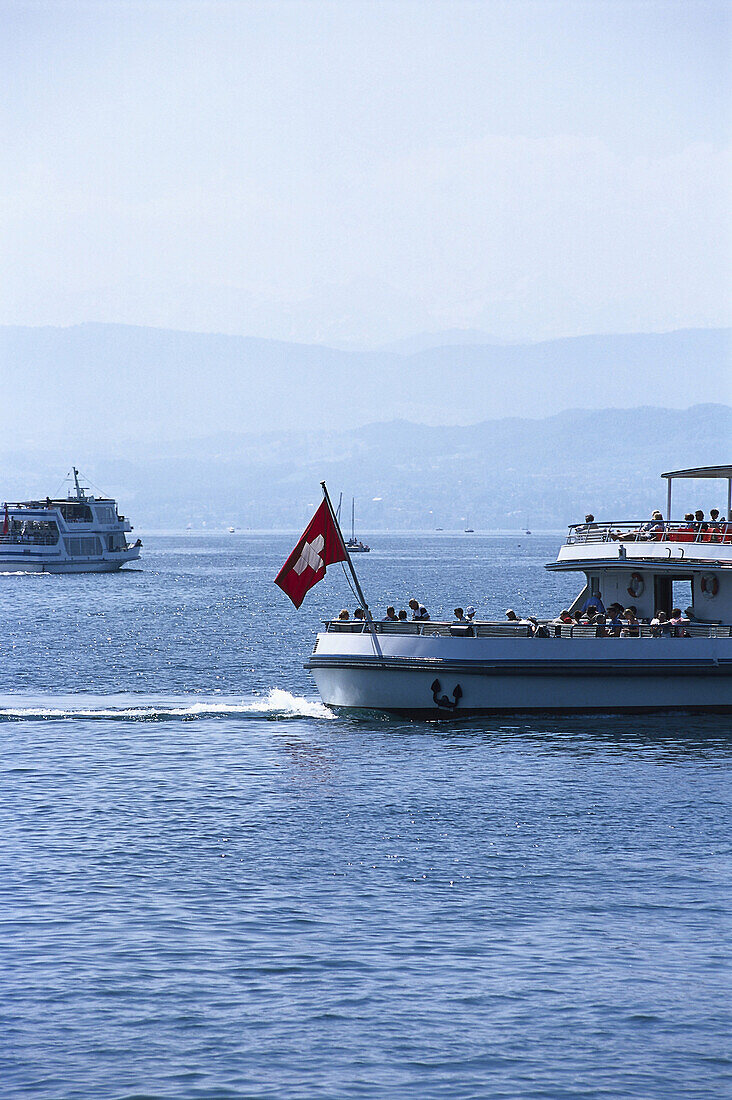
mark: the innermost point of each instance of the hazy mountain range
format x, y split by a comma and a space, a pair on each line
498, 473
104, 385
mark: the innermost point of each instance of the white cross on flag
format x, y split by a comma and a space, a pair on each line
320, 545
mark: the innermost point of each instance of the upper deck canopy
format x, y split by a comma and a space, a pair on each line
702, 471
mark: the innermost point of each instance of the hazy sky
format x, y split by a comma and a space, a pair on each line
348, 171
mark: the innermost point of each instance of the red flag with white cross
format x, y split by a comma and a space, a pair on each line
321, 544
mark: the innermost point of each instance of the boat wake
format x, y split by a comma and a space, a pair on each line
24, 573
276, 704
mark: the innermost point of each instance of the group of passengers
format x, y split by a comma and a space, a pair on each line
715, 529
614, 622
695, 527
419, 613
620, 622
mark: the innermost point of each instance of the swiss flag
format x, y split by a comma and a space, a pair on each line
320, 545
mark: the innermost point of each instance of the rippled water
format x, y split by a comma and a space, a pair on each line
212, 887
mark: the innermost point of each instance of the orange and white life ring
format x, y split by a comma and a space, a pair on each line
709, 585
636, 586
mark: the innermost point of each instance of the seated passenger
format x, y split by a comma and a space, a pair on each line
391, 616
402, 616
513, 618
586, 527
600, 626
563, 619
660, 625
715, 526
632, 625
459, 615
343, 615
667, 628
419, 611
470, 613
656, 529
359, 613
686, 532
677, 622
616, 624
537, 629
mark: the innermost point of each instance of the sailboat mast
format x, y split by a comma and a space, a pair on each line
353, 519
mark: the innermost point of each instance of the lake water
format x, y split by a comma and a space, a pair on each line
212, 887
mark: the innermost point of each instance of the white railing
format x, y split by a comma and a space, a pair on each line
521, 630
650, 531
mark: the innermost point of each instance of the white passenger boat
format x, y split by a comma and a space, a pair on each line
78, 534
440, 669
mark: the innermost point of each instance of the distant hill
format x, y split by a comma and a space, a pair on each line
99, 383
500, 473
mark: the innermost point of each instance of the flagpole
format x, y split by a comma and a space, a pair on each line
359, 590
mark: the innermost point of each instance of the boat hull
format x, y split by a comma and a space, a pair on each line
18, 563
567, 677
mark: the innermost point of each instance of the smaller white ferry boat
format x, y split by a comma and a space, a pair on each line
78, 534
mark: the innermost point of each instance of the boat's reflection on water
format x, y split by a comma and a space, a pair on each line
677, 733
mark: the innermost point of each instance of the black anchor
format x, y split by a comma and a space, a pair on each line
442, 700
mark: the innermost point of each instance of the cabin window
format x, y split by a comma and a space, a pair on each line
105, 514
83, 547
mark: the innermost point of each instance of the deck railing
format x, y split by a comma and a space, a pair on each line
551, 629
650, 531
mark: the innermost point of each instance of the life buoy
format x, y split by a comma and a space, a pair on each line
636, 586
709, 585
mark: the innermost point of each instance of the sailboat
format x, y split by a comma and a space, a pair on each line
354, 545
469, 530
